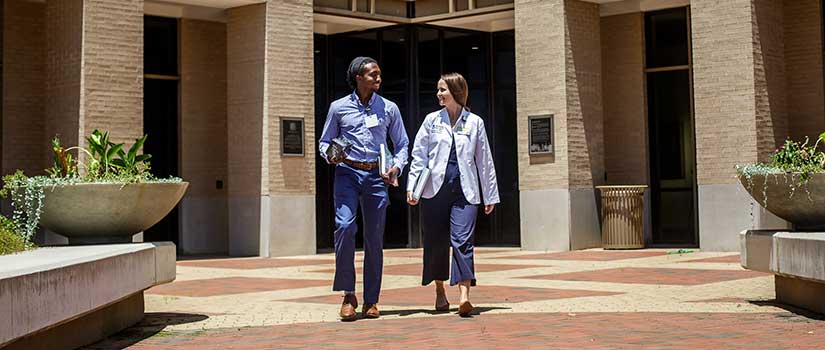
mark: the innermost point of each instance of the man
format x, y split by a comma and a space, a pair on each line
364, 119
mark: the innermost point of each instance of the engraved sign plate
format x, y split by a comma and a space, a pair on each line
292, 137
540, 134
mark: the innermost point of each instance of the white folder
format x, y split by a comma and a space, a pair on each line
419, 183
383, 165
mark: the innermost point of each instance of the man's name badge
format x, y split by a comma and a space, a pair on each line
371, 121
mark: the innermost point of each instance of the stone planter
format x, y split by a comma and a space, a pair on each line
93, 213
805, 209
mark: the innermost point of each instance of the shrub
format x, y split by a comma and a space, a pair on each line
10, 241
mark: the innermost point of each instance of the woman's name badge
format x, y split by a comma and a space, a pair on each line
371, 120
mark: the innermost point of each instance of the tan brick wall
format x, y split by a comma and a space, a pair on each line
94, 69
203, 106
625, 120
739, 85
24, 67
290, 88
769, 61
803, 68
558, 67
585, 128
64, 23
112, 68
244, 99
203, 146
724, 88
541, 89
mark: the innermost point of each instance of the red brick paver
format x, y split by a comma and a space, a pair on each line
232, 285
512, 312
639, 275
590, 255
581, 331
416, 269
424, 296
252, 263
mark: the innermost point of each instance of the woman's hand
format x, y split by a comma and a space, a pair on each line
410, 199
489, 208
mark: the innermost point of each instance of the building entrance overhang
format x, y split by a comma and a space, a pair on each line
207, 10
488, 19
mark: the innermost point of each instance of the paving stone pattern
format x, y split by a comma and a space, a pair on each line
593, 299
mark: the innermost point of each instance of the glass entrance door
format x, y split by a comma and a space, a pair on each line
670, 128
412, 57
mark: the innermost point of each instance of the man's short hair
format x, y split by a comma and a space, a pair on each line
356, 67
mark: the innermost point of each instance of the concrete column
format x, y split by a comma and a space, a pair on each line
271, 197
740, 110
94, 69
558, 67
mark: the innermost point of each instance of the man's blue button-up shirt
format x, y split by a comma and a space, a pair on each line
347, 118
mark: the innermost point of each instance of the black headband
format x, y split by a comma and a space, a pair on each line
355, 68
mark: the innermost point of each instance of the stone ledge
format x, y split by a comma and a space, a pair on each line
796, 258
49, 287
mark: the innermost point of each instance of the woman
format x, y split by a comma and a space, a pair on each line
452, 143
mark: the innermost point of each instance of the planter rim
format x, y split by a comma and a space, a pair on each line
113, 184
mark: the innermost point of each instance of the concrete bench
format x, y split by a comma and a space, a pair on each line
797, 259
67, 297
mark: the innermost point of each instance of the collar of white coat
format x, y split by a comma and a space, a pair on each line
445, 116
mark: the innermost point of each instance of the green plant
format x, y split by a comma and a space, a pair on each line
803, 159
64, 165
101, 153
10, 240
27, 200
792, 164
106, 162
132, 163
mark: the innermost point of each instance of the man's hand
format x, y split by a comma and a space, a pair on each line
489, 208
410, 199
391, 176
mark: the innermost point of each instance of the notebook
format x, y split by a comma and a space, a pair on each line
420, 182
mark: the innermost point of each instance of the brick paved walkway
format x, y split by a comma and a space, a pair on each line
575, 300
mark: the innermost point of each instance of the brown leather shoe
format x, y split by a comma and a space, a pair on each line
371, 311
348, 308
464, 309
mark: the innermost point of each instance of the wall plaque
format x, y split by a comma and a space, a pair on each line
540, 134
292, 137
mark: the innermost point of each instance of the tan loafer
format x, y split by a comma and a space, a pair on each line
348, 308
371, 311
464, 309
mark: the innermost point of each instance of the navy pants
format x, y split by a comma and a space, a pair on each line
354, 187
449, 222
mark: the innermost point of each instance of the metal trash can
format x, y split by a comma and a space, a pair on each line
622, 216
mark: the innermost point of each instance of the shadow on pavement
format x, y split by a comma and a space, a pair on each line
476, 311
790, 308
152, 325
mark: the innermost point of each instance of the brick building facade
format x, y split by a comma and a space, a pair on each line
751, 75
